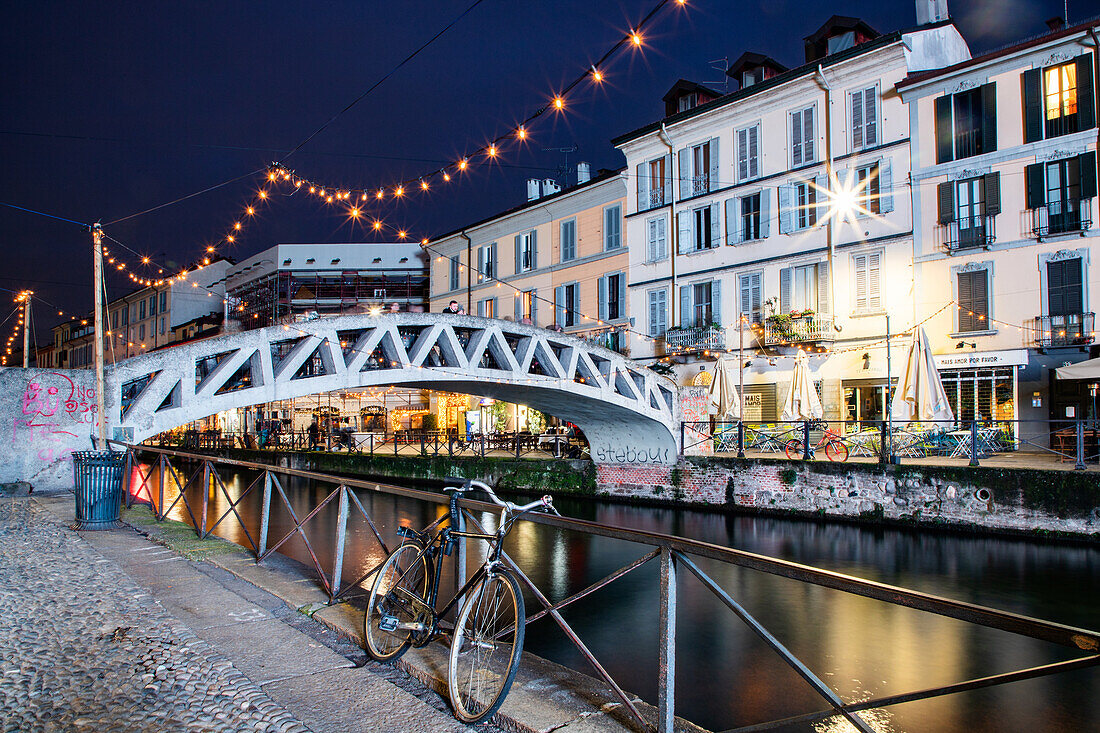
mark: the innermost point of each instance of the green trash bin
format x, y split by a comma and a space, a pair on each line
98, 479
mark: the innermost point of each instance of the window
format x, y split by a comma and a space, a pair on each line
802, 137
487, 262
612, 297
969, 206
152, 304
141, 332
126, 316
654, 183
568, 240
748, 153
612, 227
862, 106
487, 308
567, 304
657, 301
867, 272
454, 273
702, 311
162, 325
805, 202
163, 301
526, 254
1058, 99
687, 102
699, 169
141, 310
750, 217
1065, 288
751, 297
966, 123
803, 288
114, 320
1059, 192
973, 299
702, 217
747, 218
657, 239
867, 186
526, 305
697, 229
969, 199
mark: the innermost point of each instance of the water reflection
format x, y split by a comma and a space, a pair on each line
726, 675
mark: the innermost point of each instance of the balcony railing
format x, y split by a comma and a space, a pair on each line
657, 197
1062, 217
968, 234
697, 338
791, 329
1073, 329
700, 184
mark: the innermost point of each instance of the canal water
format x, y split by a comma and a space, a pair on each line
727, 677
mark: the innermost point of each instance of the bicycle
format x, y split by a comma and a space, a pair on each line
835, 448
487, 639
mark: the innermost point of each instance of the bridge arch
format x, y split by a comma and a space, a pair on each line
629, 413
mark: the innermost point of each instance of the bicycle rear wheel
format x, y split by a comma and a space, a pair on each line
486, 647
794, 449
836, 451
396, 601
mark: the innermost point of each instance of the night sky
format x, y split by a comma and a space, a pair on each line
110, 108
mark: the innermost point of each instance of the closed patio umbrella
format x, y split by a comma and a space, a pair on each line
724, 401
920, 396
802, 402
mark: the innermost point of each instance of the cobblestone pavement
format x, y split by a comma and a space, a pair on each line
84, 648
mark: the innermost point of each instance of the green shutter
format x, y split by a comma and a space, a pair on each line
1033, 105
946, 202
1086, 112
1036, 189
992, 193
945, 135
1087, 165
989, 117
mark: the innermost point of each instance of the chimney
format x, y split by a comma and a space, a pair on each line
532, 189
549, 187
1056, 24
584, 172
931, 11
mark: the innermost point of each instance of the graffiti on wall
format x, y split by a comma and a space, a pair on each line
695, 412
55, 410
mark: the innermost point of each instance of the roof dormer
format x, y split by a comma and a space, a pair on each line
685, 95
839, 33
753, 68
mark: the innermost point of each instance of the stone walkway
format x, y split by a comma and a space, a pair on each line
110, 631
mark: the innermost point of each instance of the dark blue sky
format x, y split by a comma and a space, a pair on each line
130, 105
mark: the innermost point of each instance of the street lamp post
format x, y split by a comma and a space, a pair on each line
888, 442
741, 387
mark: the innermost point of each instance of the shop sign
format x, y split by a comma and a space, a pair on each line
981, 359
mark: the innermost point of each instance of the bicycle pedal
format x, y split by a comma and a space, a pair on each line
387, 623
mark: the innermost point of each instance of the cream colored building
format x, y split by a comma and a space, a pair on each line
1004, 174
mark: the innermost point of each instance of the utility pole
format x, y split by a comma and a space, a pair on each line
25, 298
100, 382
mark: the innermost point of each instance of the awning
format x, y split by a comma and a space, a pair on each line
1081, 370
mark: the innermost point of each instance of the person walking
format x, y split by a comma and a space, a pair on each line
313, 433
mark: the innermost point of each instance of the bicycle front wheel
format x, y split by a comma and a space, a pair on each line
397, 602
486, 647
794, 449
836, 451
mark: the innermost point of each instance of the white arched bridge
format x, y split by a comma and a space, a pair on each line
629, 413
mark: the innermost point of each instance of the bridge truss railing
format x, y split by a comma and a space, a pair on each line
674, 554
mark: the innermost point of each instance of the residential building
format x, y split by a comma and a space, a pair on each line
1004, 190
778, 217
290, 281
559, 260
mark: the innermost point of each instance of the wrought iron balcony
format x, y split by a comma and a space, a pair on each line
1073, 329
657, 197
696, 338
700, 184
967, 234
1062, 217
799, 329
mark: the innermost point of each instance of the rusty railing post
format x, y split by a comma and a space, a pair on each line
666, 662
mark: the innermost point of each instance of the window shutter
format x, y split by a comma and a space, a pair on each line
808, 135
715, 225
874, 281
1056, 283
886, 186
757, 297
654, 330
684, 244
785, 214
765, 196
602, 293
534, 307
559, 305
992, 193
1087, 165
980, 296
519, 305
481, 308
796, 139
651, 241
857, 120
714, 168
966, 300
519, 259
733, 221
989, 117
1036, 186
859, 265
754, 151
643, 186
1033, 105
685, 173
785, 290
1074, 292
534, 250
622, 295
742, 155
668, 179
1086, 112
946, 202
746, 296
715, 302
685, 306
870, 117
945, 136
823, 287
822, 201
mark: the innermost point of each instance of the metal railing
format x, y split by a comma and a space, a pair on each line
799, 329
980, 233
695, 338
1072, 329
1062, 217
657, 197
675, 555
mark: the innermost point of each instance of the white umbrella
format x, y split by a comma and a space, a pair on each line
919, 395
802, 402
1081, 370
724, 401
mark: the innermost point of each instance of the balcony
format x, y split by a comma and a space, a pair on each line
1071, 216
1073, 329
971, 233
783, 329
657, 197
700, 184
696, 338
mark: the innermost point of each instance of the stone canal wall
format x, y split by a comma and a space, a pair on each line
965, 498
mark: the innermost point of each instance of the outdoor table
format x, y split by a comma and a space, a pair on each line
962, 443
863, 442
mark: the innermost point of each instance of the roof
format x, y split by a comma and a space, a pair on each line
682, 86
842, 23
601, 176
750, 58
998, 53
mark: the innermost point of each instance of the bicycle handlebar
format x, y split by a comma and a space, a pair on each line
464, 485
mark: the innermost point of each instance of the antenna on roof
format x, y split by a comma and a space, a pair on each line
563, 169
720, 65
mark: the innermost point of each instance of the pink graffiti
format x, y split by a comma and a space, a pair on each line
45, 408
45, 401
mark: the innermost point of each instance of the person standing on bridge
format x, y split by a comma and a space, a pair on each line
454, 307
313, 432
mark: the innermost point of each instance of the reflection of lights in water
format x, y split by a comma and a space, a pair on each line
559, 568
